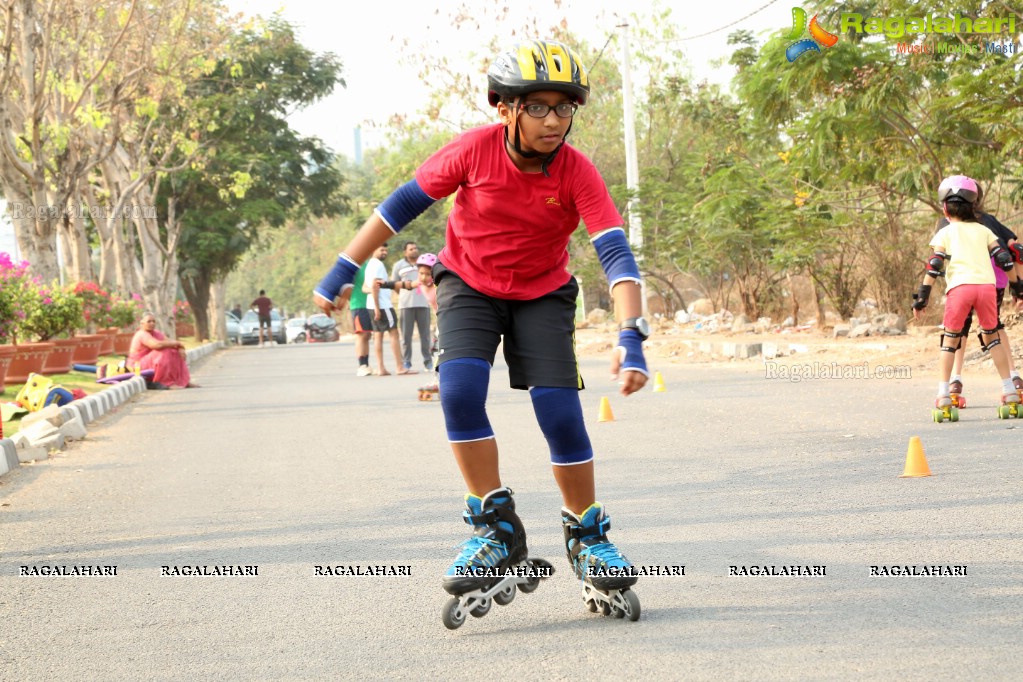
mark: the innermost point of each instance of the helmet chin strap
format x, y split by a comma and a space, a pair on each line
547, 159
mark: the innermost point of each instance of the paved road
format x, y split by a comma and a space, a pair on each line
285, 460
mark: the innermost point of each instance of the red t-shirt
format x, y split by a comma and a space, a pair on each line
508, 233
263, 306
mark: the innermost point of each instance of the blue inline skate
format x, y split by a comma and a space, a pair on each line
606, 575
493, 563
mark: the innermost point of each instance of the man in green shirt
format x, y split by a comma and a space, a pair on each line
362, 323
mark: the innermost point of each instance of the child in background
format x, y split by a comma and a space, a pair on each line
427, 287
964, 249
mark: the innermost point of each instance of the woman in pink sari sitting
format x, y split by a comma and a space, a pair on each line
152, 350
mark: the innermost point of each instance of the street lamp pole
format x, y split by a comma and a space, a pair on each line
631, 159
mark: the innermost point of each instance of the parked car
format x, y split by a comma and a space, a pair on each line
249, 327
234, 332
294, 330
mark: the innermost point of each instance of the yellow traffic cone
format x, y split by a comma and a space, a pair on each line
916, 462
659, 383
605, 411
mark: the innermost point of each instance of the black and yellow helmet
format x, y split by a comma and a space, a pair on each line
537, 65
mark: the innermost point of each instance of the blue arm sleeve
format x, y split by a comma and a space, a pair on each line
616, 257
338, 279
630, 345
404, 205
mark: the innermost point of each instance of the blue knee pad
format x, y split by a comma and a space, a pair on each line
560, 415
463, 397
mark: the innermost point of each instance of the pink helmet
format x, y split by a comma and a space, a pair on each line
958, 188
427, 259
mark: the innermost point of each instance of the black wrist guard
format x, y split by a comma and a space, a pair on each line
1017, 289
921, 297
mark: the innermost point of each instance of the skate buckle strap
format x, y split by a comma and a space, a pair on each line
599, 529
485, 518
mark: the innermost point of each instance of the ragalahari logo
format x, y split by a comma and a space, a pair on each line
818, 36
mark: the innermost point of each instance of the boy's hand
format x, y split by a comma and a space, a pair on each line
335, 288
627, 360
329, 307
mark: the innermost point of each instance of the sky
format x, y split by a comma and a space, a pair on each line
367, 37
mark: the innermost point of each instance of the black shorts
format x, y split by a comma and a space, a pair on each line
362, 320
388, 320
264, 322
539, 335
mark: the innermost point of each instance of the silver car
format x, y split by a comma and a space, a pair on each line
249, 328
234, 331
294, 330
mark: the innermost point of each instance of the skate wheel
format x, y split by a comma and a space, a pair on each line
505, 596
1003, 412
605, 609
631, 605
962, 402
591, 605
953, 414
531, 584
617, 612
452, 615
482, 609
937, 415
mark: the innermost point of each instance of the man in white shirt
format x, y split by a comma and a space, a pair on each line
382, 309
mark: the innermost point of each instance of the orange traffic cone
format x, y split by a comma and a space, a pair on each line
916, 462
659, 383
605, 411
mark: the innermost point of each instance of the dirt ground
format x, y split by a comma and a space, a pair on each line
918, 348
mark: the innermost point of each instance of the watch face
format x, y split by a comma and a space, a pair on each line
643, 327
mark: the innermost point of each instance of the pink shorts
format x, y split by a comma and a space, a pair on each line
959, 301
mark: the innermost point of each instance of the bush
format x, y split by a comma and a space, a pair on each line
124, 312
53, 312
95, 304
183, 312
12, 311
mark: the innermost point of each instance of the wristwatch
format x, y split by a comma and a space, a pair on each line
640, 324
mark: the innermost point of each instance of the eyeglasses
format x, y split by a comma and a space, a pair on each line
537, 110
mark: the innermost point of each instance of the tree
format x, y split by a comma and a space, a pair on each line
61, 100
259, 172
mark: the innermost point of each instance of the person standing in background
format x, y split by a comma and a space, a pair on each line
413, 309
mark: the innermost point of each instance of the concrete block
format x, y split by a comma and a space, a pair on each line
8, 456
770, 350
69, 411
54, 442
50, 413
73, 429
85, 410
27, 451
38, 432
33, 453
744, 351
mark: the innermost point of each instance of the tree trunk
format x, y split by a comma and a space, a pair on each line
794, 311
216, 308
197, 292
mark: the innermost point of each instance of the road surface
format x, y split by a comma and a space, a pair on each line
285, 461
